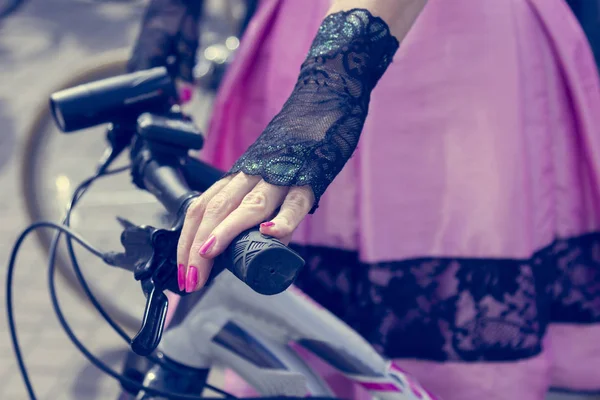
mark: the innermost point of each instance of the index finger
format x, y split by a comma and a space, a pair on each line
192, 220
217, 209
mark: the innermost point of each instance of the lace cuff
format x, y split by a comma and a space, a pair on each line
317, 130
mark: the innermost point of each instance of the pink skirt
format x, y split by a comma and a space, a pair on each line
462, 238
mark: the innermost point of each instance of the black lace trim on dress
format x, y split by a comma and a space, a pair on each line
459, 309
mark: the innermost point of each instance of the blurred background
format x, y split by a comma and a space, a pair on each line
43, 45
46, 45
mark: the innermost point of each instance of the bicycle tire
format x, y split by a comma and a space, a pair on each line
13, 5
107, 64
103, 66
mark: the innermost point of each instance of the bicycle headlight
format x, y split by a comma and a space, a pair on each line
121, 98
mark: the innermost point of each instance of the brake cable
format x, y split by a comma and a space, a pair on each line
72, 236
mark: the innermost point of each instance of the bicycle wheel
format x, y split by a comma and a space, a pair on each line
53, 163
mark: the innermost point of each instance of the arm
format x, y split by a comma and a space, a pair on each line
284, 173
399, 15
316, 132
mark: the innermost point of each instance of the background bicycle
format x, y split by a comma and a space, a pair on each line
46, 181
47, 42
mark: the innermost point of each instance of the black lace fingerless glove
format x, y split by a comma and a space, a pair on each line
170, 28
316, 132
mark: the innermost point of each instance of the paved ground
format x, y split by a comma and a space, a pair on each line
46, 42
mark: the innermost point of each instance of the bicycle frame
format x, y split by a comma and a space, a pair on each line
256, 336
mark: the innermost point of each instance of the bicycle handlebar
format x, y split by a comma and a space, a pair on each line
161, 166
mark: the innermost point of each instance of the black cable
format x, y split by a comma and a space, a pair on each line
97, 362
10, 273
9, 281
81, 189
64, 229
51, 267
78, 193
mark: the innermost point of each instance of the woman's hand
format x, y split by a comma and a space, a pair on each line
304, 146
229, 207
169, 38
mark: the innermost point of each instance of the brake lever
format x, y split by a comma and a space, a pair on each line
263, 263
150, 253
155, 315
136, 241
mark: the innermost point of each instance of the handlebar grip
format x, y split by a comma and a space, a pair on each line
262, 262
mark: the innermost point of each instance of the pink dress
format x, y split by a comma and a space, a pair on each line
462, 238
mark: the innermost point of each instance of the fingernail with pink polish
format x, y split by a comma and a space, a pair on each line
192, 279
207, 245
267, 224
181, 277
